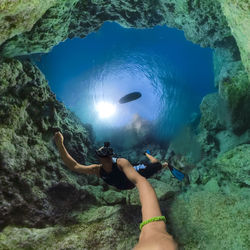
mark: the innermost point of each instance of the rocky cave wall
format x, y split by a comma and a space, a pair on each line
31, 171
202, 22
36, 188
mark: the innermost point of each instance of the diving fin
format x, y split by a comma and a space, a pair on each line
176, 173
147, 151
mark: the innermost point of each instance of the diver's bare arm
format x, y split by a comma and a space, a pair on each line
90, 169
66, 157
74, 165
149, 202
153, 234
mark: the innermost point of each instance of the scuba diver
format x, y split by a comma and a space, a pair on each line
110, 169
121, 174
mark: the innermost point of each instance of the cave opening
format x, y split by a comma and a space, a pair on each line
171, 73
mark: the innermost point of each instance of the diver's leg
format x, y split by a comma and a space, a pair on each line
154, 160
152, 168
151, 158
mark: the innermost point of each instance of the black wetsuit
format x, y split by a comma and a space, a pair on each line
118, 179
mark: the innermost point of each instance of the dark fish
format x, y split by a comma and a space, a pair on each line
130, 97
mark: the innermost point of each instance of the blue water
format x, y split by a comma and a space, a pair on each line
172, 74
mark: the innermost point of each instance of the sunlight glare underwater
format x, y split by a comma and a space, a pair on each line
171, 73
119, 78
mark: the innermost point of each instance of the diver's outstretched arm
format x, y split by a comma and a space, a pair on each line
149, 202
70, 162
153, 234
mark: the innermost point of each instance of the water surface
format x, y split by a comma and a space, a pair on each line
171, 73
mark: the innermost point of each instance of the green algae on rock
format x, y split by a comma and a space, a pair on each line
105, 227
31, 170
236, 92
235, 164
228, 140
202, 22
214, 112
212, 218
17, 17
211, 212
238, 17
165, 190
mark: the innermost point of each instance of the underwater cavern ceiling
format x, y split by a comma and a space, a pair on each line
34, 181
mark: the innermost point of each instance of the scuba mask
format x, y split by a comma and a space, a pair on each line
105, 150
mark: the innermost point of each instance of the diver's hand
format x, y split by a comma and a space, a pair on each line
58, 138
97, 166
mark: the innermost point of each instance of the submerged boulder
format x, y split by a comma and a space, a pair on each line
235, 165
236, 92
105, 227
32, 173
202, 22
228, 140
165, 190
211, 218
238, 18
33, 179
233, 85
17, 17
214, 113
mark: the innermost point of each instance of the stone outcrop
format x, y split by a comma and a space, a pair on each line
214, 113
238, 18
106, 227
211, 218
17, 17
33, 179
235, 165
36, 188
202, 22
202, 213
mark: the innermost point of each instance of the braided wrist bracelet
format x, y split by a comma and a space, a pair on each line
158, 218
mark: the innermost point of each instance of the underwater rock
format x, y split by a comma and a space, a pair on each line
201, 21
112, 197
238, 18
30, 163
214, 116
236, 92
226, 63
164, 190
234, 88
194, 176
211, 218
33, 179
235, 165
105, 227
228, 140
188, 144
19, 16
210, 146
